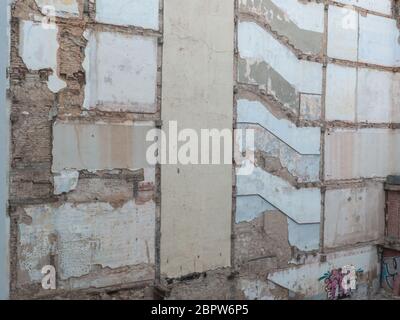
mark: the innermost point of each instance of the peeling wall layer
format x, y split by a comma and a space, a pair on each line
81, 238
137, 13
4, 150
38, 49
197, 93
82, 196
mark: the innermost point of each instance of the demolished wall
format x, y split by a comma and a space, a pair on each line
84, 89
316, 81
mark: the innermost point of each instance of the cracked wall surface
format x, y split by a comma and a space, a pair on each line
82, 196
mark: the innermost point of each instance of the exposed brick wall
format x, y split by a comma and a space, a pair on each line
94, 221
393, 215
316, 82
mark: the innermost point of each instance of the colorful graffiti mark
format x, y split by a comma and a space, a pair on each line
390, 270
340, 283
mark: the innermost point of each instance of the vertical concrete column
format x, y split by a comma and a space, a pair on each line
4, 151
198, 94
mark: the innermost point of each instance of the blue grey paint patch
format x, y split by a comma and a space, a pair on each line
249, 208
304, 236
4, 152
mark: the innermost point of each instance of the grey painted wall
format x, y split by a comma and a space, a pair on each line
4, 151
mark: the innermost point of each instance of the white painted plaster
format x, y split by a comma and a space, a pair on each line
38, 49
343, 33
341, 93
139, 13
379, 41
121, 72
87, 235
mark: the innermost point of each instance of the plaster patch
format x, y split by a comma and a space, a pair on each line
66, 181
38, 48
121, 72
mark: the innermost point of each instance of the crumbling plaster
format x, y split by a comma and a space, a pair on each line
322, 145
